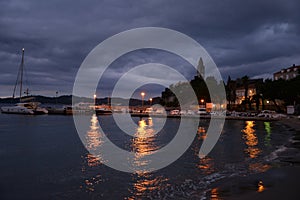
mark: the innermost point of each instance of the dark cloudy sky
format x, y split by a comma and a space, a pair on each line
256, 37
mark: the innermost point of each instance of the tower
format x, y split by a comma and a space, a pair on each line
201, 69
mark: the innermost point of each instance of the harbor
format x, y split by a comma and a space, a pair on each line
149, 100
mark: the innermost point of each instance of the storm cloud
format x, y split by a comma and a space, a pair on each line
254, 38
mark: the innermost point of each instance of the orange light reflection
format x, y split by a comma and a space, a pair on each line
260, 187
145, 143
93, 141
214, 194
251, 140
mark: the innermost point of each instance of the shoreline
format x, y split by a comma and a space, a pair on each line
206, 117
279, 182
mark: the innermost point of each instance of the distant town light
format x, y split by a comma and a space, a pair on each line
95, 96
143, 95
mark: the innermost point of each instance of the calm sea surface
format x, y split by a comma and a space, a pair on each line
42, 157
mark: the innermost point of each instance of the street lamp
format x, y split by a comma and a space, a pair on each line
56, 96
95, 96
143, 95
150, 101
202, 103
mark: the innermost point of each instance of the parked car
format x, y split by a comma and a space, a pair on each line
160, 111
149, 110
267, 113
279, 115
202, 111
190, 112
174, 112
214, 113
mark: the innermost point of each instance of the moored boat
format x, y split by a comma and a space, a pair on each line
65, 110
30, 108
103, 111
23, 107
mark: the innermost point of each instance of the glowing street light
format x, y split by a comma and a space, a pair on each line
95, 96
150, 101
202, 103
143, 95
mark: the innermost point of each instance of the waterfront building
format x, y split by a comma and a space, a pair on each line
288, 73
252, 88
243, 91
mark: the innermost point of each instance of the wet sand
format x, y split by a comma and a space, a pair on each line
280, 182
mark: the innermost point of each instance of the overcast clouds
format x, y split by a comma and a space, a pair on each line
255, 37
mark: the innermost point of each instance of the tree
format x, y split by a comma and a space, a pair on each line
245, 82
230, 91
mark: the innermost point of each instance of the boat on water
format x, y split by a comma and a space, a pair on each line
103, 111
65, 110
23, 107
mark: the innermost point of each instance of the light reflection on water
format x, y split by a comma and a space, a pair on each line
145, 184
268, 135
144, 143
260, 186
201, 133
252, 149
251, 140
214, 194
206, 164
259, 167
94, 139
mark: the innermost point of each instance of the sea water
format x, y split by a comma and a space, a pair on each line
42, 157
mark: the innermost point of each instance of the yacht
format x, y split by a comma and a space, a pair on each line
23, 107
31, 108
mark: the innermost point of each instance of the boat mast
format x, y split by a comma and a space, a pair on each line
21, 69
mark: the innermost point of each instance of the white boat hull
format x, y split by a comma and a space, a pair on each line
17, 110
24, 108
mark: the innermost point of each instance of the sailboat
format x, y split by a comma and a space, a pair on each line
23, 107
